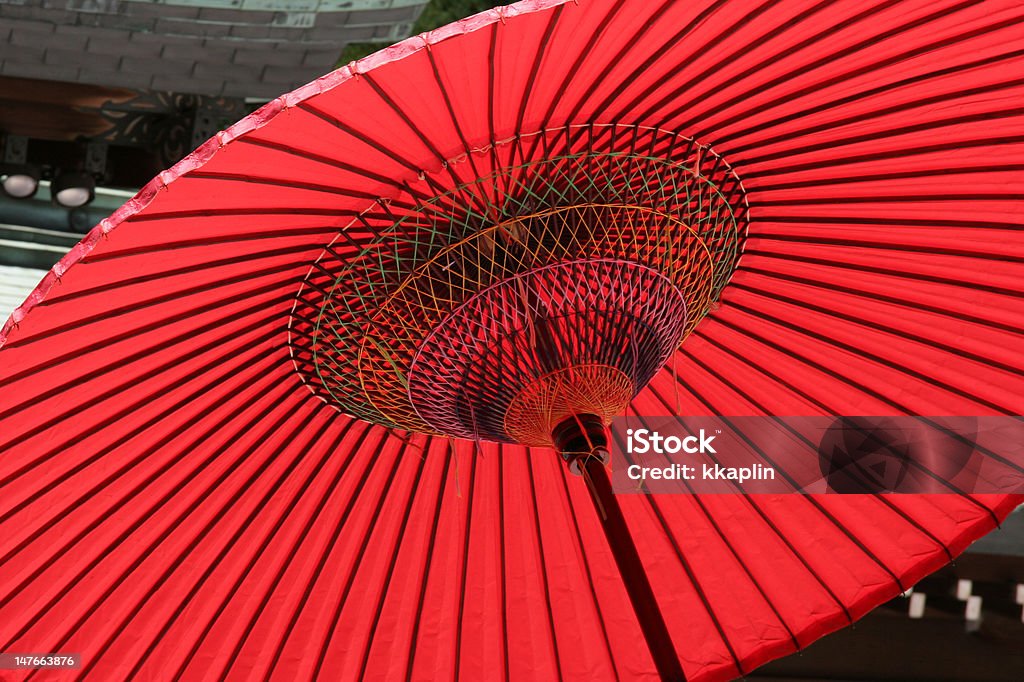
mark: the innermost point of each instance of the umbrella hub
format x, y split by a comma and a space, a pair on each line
580, 437
531, 350
556, 283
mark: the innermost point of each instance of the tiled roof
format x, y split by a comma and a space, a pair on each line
234, 48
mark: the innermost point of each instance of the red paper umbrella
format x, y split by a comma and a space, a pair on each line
290, 411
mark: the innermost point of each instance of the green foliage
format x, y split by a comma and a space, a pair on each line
441, 12
437, 13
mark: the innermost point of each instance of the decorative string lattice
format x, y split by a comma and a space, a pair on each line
436, 310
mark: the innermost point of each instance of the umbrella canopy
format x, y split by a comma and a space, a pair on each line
219, 460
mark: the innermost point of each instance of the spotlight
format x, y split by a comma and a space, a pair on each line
19, 181
72, 189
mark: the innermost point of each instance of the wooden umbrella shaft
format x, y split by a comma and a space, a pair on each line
570, 437
652, 624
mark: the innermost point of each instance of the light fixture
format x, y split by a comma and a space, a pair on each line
18, 178
19, 181
73, 189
